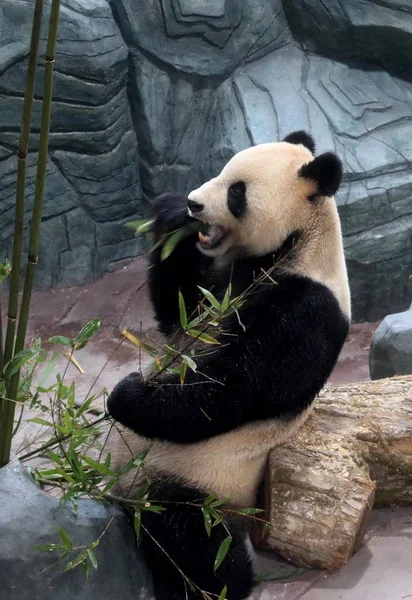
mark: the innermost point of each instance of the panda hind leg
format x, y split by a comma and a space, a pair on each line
176, 539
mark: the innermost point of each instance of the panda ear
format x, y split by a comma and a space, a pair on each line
326, 171
301, 137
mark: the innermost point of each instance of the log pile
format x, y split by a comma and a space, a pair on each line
352, 454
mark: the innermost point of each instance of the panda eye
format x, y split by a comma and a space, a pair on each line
237, 189
236, 199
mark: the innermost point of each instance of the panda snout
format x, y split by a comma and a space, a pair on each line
195, 207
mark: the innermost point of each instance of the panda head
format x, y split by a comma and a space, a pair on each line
264, 194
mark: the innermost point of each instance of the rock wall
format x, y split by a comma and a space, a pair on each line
151, 96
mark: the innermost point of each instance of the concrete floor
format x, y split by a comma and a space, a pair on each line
381, 570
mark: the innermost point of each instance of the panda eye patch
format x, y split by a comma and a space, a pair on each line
236, 199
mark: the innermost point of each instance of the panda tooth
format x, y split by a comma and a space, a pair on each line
202, 237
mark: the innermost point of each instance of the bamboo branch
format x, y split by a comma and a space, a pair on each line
32, 257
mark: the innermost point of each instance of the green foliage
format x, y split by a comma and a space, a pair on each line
5, 270
167, 241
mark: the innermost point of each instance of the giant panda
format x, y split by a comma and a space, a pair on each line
271, 209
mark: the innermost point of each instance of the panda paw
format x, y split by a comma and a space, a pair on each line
170, 211
123, 402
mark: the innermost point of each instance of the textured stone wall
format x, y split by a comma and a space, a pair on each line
156, 95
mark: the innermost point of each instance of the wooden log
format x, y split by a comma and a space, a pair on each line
353, 453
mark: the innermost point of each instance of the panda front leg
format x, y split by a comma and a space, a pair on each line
182, 270
179, 551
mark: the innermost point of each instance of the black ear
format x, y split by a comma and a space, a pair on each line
301, 137
326, 171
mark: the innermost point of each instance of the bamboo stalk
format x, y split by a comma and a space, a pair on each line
35, 227
20, 206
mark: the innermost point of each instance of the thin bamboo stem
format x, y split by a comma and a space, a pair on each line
19, 213
21, 180
35, 227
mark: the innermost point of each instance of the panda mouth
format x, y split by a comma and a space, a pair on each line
211, 236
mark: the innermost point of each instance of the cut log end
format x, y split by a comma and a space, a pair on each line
353, 453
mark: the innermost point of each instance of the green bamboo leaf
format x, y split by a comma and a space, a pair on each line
81, 557
18, 362
171, 243
148, 506
207, 519
190, 362
249, 511
223, 593
2, 389
100, 467
221, 553
86, 570
203, 337
182, 311
40, 421
226, 299
92, 557
141, 226
54, 457
66, 541
62, 340
137, 520
49, 548
213, 301
86, 333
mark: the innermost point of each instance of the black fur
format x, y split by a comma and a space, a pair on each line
301, 137
236, 199
182, 270
181, 533
326, 171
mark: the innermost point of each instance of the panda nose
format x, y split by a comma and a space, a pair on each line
194, 206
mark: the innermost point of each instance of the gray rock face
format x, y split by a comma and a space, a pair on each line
29, 517
391, 347
153, 96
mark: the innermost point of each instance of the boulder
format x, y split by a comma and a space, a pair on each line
391, 347
29, 517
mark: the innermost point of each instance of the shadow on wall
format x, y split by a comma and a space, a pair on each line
157, 96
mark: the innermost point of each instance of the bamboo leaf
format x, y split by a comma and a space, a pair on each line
203, 337
66, 541
249, 511
92, 557
18, 362
207, 519
40, 421
141, 226
100, 467
226, 299
182, 311
86, 333
62, 340
223, 593
171, 243
221, 553
49, 548
190, 362
145, 347
86, 570
213, 301
81, 557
